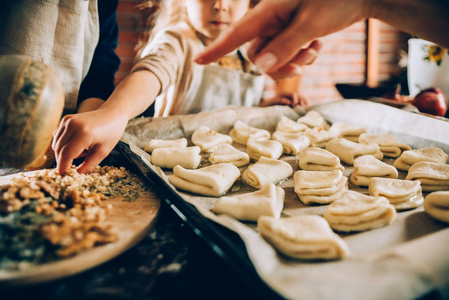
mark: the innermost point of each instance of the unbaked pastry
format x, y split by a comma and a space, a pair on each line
265, 171
433, 176
207, 139
225, 153
214, 180
367, 166
313, 119
267, 201
241, 132
325, 199
321, 187
319, 137
410, 157
157, 143
307, 237
347, 151
403, 194
388, 144
355, 211
288, 125
436, 204
267, 148
188, 157
318, 159
292, 143
347, 131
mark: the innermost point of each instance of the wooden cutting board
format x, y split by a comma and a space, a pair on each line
132, 220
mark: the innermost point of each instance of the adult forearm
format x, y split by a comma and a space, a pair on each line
427, 19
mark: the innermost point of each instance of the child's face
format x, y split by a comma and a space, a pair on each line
211, 17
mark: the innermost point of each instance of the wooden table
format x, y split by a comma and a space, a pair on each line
170, 262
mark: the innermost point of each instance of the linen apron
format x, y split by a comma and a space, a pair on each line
213, 87
61, 33
216, 87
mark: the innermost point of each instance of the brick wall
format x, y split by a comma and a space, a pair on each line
392, 42
131, 22
342, 59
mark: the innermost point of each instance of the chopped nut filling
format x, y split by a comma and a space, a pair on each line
72, 209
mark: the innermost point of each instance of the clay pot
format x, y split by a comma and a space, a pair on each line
31, 104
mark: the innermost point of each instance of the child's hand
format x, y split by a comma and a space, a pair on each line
92, 134
290, 99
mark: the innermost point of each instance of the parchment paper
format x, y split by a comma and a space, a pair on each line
404, 260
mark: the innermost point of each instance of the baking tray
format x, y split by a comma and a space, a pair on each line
224, 242
395, 262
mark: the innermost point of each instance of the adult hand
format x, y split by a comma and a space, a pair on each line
92, 134
279, 31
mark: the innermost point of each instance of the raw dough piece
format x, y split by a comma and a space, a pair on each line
306, 237
436, 204
313, 119
207, 139
265, 171
288, 125
319, 137
410, 157
157, 143
355, 211
214, 180
403, 194
347, 131
291, 142
321, 187
241, 133
433, 176
325, 199
367, 166
268, 148
311, 182
317, 159
267, 201
347, 151
188, 157
388, 144
225, 153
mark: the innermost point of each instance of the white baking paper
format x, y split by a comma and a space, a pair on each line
404, 260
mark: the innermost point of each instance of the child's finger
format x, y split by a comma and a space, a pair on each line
303, 101
59, 132
62, 138
69, 151
94, 157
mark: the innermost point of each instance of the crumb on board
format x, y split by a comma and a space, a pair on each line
70, 210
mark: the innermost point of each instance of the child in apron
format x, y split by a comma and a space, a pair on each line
167, 76
186, 87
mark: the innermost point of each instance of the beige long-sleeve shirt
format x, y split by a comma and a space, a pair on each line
170, 57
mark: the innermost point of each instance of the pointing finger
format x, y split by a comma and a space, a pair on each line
262, 21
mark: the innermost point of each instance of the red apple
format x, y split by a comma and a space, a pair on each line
431, 101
